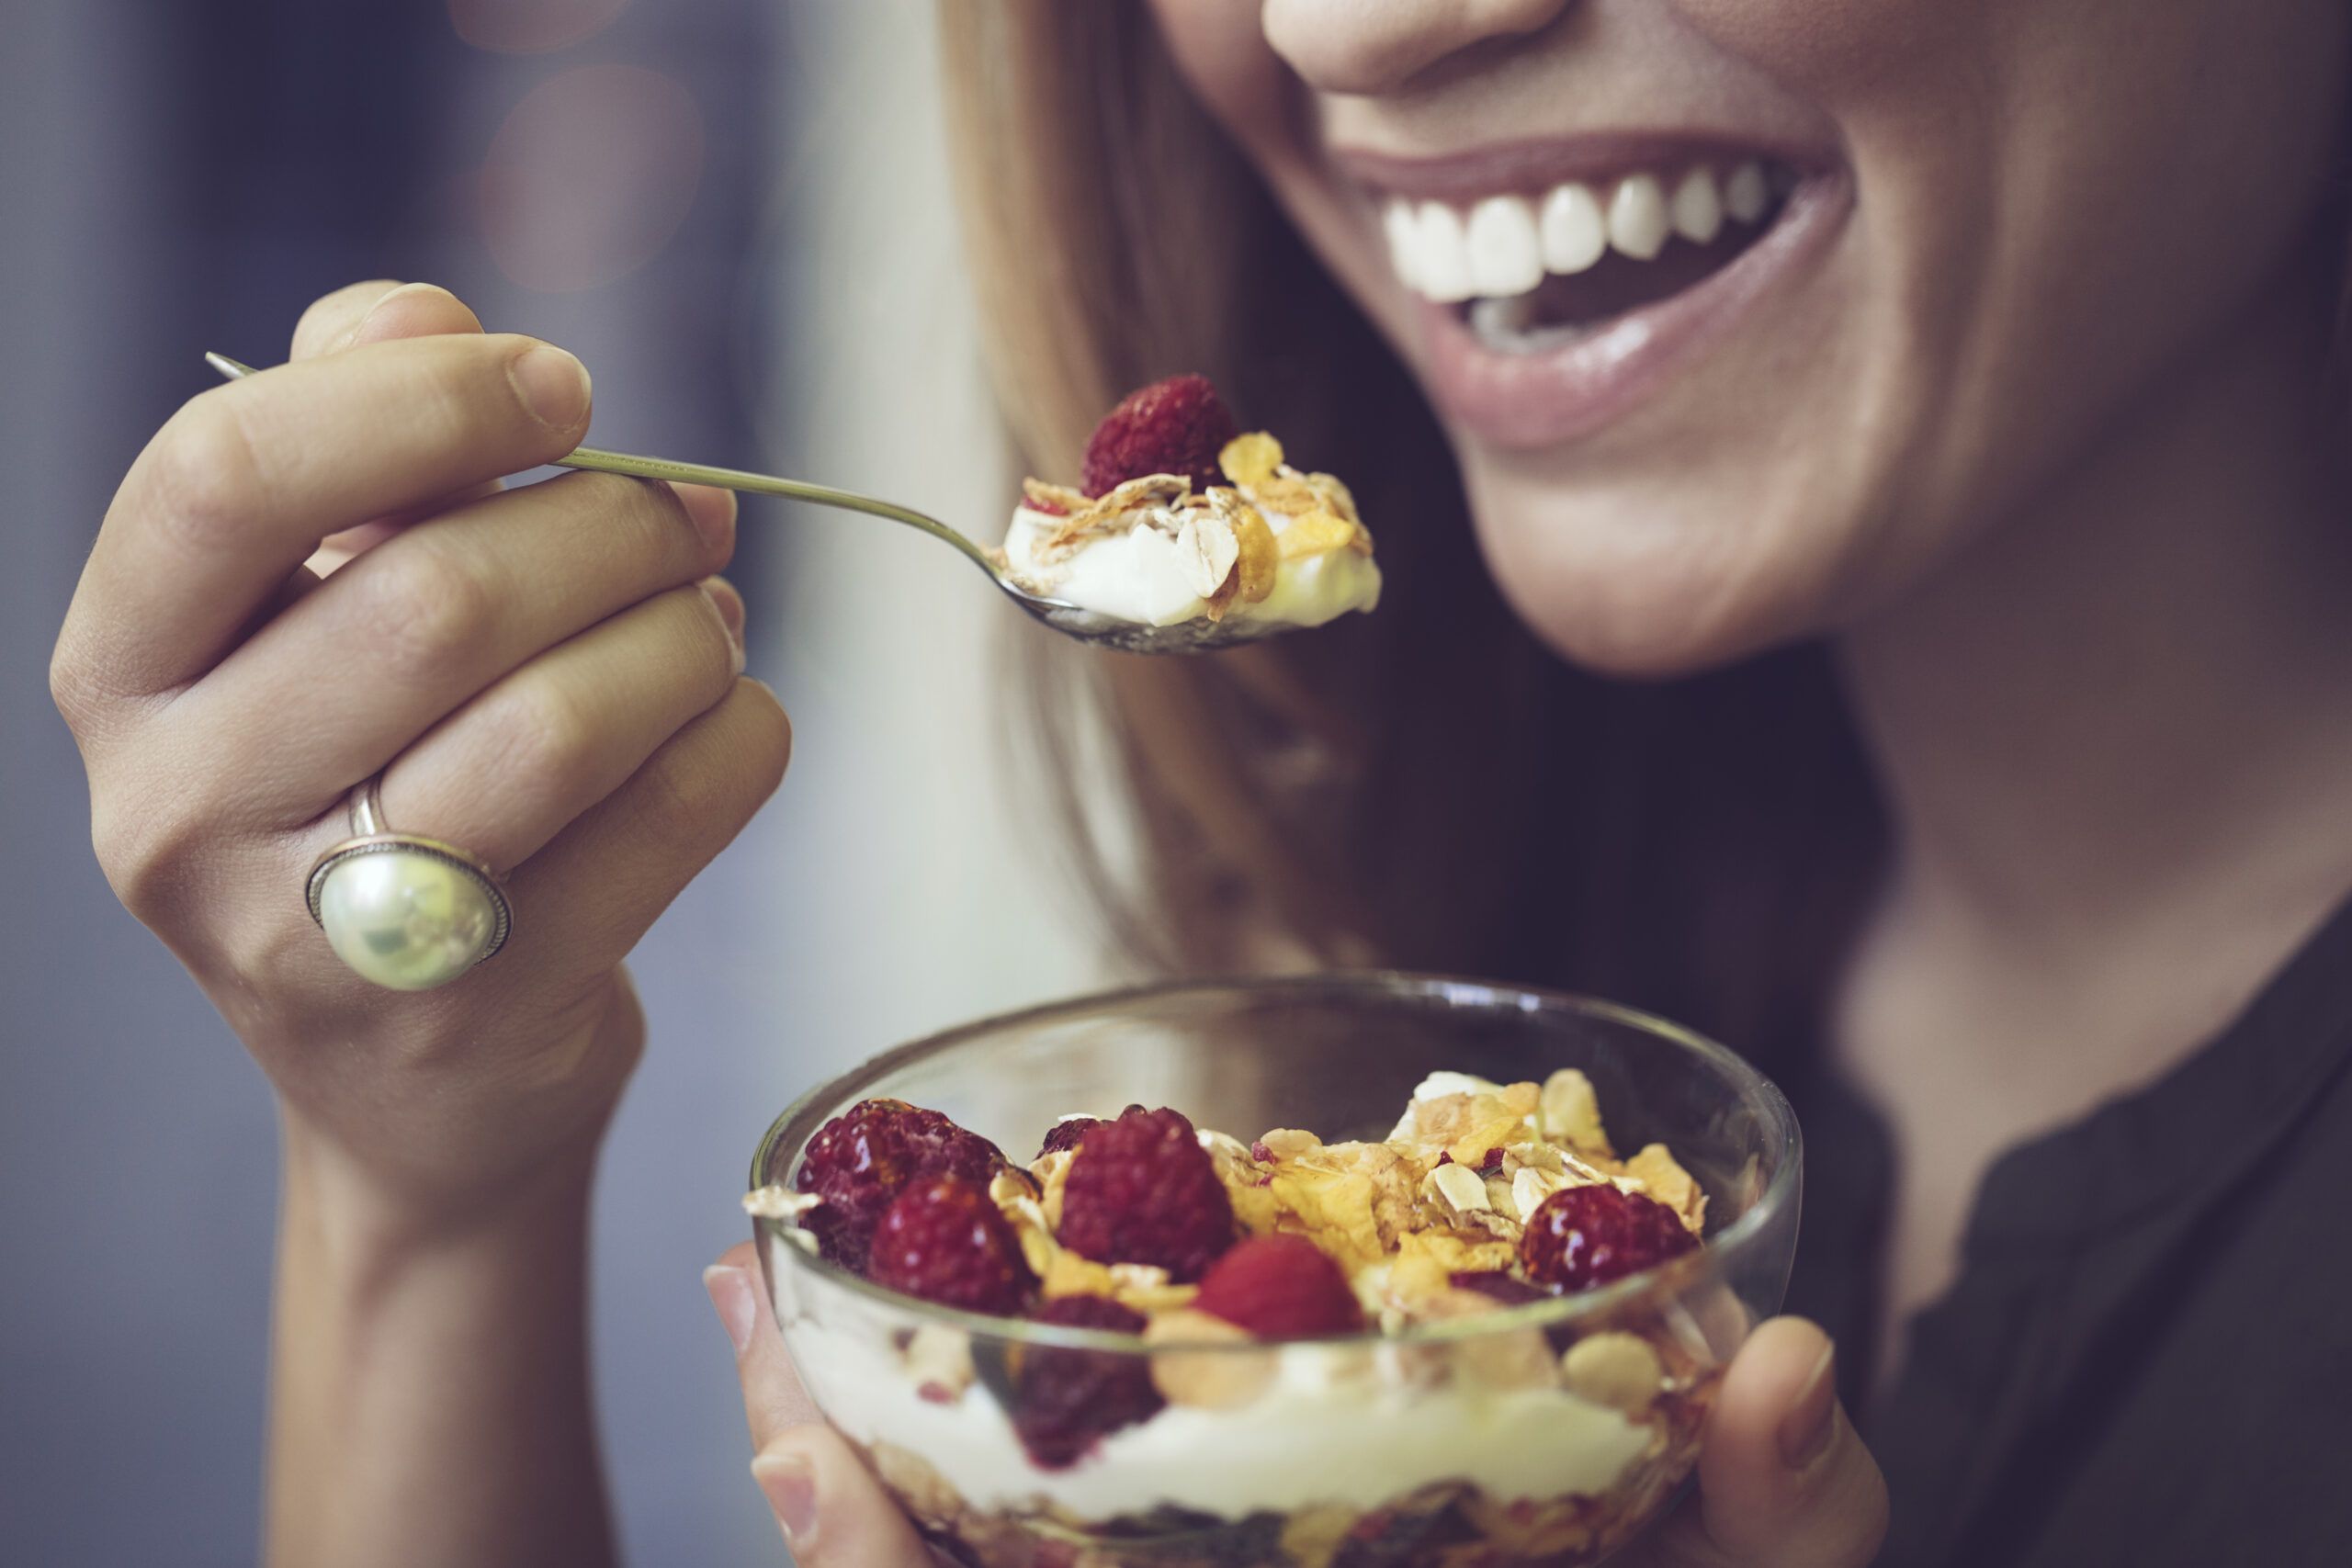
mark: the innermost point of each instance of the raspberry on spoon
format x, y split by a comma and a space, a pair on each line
1583, 1237
944, 1240
1176, 426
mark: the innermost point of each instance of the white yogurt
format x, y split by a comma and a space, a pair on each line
1359, 1441
1139, 576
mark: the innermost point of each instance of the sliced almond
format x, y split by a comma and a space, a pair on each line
939, 1359
1462, 1190
1206, 552
1507, 1359
777, 1202
1529, 1186
1207, 1379
1571, 1112
1617, 1370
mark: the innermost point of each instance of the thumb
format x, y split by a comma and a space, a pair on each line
1783, 1480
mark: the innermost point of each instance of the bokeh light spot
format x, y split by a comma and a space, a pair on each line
531, 27
589, 176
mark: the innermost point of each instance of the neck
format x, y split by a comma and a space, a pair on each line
2129, 705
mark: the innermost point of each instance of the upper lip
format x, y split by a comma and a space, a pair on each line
1534, 165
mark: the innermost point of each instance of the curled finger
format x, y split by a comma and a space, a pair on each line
380, 652
618, 866
514, 766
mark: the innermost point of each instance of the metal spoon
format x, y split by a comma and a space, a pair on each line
1070, 620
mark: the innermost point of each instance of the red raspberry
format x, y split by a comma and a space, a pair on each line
944, 1239
1142, 1189
1583, 1237
1067, 1135
1176, 426
1063, 1400
1280, 1286
861, 1159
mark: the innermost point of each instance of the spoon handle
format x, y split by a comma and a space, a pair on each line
597, 460
604, 462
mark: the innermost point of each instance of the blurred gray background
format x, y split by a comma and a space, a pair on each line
735, 211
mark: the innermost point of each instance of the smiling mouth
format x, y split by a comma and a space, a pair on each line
1531, 272
1563, 284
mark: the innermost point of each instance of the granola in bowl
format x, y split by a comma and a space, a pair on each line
1280, 1351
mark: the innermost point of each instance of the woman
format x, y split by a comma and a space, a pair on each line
1989, 498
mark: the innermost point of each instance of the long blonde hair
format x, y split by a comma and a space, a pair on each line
1424, 786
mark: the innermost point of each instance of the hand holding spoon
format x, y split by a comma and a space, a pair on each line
1070, 620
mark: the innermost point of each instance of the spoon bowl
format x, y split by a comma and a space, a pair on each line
1074, 621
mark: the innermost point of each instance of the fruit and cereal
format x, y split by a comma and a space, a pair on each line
1180, 517
1485, 1197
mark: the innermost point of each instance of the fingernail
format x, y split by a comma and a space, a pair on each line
351, 333
713, 510
730, 1292
552, 384
790, 1487
405, 291
1812, 1421
730, 605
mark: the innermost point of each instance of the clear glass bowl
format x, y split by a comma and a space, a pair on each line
1549, 1432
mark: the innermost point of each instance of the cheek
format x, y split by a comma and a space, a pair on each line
1219, 48
1221, 51
2061, 207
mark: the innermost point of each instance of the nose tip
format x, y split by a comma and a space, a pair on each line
1369, 46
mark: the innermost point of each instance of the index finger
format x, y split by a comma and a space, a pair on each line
246, 479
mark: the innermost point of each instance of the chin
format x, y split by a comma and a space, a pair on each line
1644, 586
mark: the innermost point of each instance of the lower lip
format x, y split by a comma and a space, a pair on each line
1527, 400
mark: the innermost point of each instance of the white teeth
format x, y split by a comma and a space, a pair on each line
1574, 232
1637, 217
1440, 254
1403, 237
1506, 244
1501, 239
1698, 211
1745, 193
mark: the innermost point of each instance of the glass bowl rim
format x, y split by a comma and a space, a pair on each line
1735, 1239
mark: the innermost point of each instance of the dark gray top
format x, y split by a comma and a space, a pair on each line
2147, 1356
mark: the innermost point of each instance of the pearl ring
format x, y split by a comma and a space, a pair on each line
404, 912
